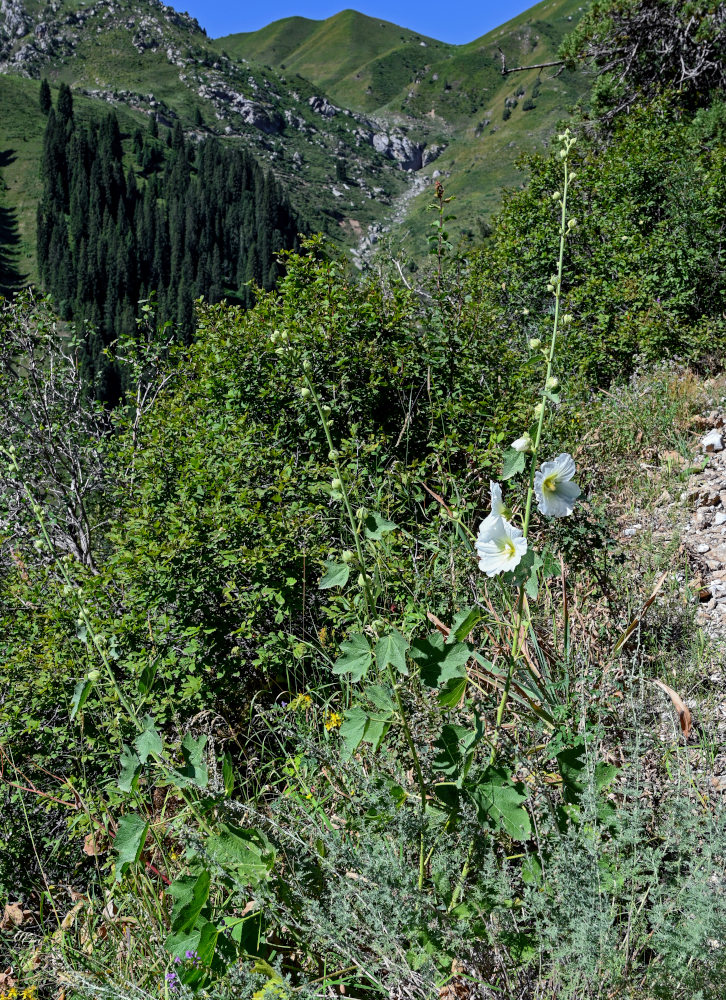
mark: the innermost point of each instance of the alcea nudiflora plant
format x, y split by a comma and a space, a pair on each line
385, 664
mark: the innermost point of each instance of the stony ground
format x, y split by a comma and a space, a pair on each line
705, 534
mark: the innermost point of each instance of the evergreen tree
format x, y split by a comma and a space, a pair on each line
46, 101
64, 104
201, 219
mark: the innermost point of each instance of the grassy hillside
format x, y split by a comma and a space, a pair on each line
21, 135
485, 119
362, 62
393, 90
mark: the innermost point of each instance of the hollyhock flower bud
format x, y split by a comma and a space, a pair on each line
538, 410
535, 344
552, 382
523, 443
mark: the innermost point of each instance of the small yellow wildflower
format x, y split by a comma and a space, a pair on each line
300, 703
333, 720
323, 636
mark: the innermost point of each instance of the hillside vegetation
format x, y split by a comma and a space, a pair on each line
340, 111
328, 665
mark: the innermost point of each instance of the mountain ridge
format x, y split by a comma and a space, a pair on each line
344, 143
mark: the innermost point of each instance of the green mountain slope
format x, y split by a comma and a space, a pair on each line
360, 61
144, 57
457, 94
352, 114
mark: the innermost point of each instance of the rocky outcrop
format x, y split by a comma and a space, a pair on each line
251, 112
400, 148
14, 21
322, 106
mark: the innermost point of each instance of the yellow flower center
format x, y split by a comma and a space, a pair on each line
549, 483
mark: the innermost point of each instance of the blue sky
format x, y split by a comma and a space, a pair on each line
453, 21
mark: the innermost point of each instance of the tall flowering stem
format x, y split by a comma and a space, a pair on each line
555, 286
342, 486
568, 142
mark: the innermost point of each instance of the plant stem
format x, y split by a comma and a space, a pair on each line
419, 776
344, 490
371, 608
514, 656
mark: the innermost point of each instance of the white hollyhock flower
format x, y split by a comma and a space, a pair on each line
498, 508
500, 546
554, 489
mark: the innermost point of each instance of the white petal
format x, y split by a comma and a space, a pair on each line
495, 492
486, 526
559, 502
564, 464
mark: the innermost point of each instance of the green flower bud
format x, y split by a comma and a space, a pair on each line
552, 382
567, 319
306, 365
525, 312
556, 196
326, 409
284, 336
347, 556
538, 410
336, 484
550, 288
305, 392
535, 344
93, 675
332, 455
573, 175
361, 580
572, 224
361, 513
